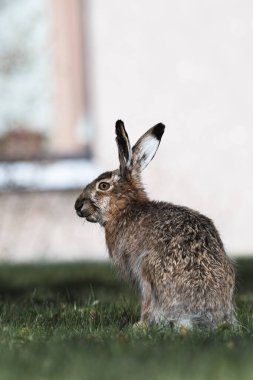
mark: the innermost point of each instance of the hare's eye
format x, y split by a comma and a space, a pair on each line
104, 186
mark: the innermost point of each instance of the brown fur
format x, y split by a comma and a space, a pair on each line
172, 254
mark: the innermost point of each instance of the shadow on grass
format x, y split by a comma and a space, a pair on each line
244, 275
67, 283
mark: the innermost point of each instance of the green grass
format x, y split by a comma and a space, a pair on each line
74, 321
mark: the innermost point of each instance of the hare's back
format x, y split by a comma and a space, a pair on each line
168, 226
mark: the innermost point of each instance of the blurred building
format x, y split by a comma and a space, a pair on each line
69, 69
44, 106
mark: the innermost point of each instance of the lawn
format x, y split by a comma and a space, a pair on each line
74, 321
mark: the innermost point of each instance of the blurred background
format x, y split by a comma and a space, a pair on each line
70, 68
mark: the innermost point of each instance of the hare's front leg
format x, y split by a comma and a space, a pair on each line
145, 305
146, 302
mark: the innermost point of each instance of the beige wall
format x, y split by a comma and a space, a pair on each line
37, 226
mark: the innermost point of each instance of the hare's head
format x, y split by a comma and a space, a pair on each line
112, 191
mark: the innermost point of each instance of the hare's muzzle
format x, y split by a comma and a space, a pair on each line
84, 208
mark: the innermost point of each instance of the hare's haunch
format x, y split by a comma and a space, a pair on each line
172, 254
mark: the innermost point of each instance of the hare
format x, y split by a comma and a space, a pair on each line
172, 254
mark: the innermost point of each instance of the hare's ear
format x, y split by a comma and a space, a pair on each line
146, 147
124, 147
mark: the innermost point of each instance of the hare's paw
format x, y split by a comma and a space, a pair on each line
183, 326
140, 325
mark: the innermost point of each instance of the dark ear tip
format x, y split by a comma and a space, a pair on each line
119, 124
158, 130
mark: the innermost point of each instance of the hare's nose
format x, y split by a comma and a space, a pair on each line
78, 204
